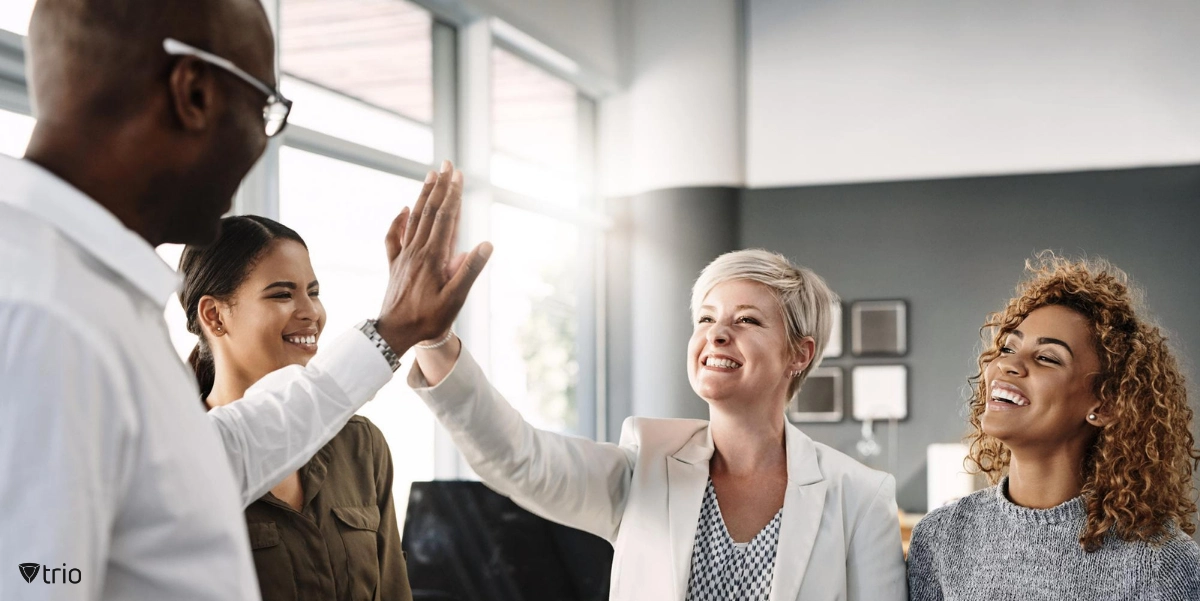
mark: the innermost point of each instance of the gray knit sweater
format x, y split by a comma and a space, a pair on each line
985, 548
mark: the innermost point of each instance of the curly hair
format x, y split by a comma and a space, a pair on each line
1138, 472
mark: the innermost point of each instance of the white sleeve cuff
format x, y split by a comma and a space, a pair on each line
355, 364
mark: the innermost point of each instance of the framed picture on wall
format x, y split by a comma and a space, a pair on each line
820, 398
834, 347
880, 392
879, 328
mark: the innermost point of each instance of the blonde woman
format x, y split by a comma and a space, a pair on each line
1080, 417
741, 506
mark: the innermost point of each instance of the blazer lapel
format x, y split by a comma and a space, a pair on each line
803, 508
687, 477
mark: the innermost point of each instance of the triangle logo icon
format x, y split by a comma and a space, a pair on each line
29, 571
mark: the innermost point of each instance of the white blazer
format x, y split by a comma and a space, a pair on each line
839, 538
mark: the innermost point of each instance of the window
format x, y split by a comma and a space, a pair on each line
15, 130
376, 91
361, 71
183, 340
361, 77
343, 211
535, 123
540, 324
535, 321
14, 15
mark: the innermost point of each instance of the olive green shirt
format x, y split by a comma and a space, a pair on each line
344, 544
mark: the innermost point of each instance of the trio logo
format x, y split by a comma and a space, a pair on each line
29, 571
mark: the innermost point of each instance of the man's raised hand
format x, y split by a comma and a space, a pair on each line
427, 282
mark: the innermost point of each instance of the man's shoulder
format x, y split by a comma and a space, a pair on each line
49, 290
39, 267
29, 255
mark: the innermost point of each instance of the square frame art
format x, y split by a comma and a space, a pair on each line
820, 399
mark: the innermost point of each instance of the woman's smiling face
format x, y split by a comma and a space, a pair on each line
276, 316
739, 347
1040, 389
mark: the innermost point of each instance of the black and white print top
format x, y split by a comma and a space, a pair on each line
727, 571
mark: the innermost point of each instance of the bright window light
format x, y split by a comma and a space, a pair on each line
183, 340
14, 15
535, 131
534, 285
368, 65
527, 178
343, 211
343, 117
15, 130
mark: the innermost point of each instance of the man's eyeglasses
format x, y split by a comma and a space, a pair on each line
275, 111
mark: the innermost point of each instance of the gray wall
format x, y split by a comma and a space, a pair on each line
661, 241
954, 249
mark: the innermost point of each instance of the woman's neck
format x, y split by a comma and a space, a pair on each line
230, 384
1041, 480
747, 442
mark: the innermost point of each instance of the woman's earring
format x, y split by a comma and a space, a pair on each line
1091, 417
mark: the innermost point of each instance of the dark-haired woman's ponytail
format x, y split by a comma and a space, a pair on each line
202, 364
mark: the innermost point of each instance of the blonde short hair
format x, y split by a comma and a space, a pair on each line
805, 300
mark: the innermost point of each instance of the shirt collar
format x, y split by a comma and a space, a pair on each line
30, 188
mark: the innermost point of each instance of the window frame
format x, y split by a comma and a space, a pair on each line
462, 40
461, 56
14, 92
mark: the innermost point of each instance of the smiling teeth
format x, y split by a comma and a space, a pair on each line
726, 363
1009, 395
301, 339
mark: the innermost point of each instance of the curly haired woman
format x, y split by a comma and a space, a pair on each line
1080, 417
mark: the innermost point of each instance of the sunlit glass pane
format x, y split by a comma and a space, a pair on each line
183, 340
535, 130
343, 117
372, 57
343, 211
534, 316
533, 180
15, 130
14, 15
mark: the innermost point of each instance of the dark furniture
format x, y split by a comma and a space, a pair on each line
465, 542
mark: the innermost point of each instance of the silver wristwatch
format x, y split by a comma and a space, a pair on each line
367, 327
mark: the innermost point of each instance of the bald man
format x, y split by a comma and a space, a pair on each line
113, 483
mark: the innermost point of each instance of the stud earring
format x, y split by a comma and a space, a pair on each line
1092, 417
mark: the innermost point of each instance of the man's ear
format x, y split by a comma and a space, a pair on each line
192, 93
208, 312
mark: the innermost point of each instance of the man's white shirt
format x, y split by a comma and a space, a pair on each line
108, 462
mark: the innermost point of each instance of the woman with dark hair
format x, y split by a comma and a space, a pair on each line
329, 530
1080, 418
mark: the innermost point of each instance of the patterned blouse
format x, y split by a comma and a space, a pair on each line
727, 571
